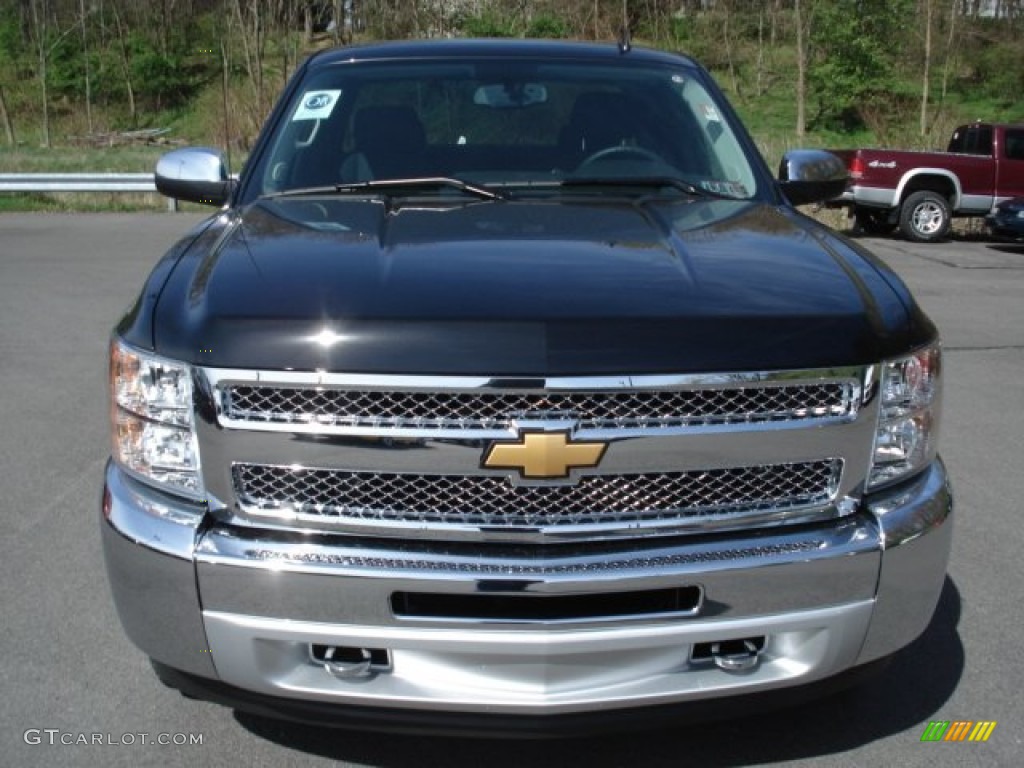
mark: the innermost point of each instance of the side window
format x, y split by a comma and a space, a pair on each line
971, 141
956, 144
978, 140
1013, 146
984, 145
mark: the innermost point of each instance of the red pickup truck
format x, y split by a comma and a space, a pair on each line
921, 192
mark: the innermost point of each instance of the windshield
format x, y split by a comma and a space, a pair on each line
504, 123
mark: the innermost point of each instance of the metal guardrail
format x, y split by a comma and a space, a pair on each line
77, 182
80, 182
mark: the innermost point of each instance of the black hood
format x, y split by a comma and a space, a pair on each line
526, 288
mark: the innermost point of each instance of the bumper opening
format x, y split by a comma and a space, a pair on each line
684, 601
733, 655
350, 662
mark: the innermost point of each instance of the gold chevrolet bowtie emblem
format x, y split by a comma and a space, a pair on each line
543, 455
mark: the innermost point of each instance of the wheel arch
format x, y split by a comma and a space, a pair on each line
937, 180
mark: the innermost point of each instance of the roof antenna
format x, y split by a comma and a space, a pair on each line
625, 43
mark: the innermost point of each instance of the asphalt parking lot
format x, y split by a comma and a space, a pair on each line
68, 669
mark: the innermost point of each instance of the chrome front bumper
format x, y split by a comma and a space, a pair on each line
245, 607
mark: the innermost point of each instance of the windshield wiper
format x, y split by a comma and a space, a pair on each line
646, 182
387, 186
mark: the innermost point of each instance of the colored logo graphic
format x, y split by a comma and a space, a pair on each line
316, 105
318, 101
958, 730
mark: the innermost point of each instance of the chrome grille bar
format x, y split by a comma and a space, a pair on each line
255, 405
700, 498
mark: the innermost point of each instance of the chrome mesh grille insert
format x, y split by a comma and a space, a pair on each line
436, 501
468, 410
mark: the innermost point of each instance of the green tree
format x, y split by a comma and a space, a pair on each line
856, 57
12, 52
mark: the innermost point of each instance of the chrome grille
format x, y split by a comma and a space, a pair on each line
468, 410
436, 501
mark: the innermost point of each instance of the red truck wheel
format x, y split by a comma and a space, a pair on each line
925, 217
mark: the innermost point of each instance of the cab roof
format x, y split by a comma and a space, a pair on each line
487, 48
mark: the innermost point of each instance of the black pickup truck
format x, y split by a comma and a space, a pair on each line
507, 389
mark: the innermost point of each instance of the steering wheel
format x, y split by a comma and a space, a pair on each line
619, 149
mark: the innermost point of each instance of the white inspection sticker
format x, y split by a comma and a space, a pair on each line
316, 105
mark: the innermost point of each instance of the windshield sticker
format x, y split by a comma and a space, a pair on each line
725, 188
316, 105
710, 113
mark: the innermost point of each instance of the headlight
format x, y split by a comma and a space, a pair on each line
908, 418
151, 419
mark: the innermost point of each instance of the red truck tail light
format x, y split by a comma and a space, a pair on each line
856, 168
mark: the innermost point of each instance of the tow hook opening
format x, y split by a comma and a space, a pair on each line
735, 655
349, 662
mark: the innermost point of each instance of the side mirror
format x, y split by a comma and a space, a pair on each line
812, 176
196, 174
